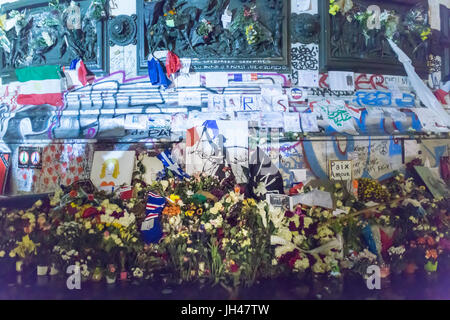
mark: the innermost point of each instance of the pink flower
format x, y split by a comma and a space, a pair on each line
106, 234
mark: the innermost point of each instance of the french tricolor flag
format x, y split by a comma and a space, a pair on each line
77, 75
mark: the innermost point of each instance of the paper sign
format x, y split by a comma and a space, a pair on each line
193, 99
152, 166
272, 120
309, 122
302, 5
397, 115
430, 121
188, 80
280, 103
216, 79
179, 122
341, 170
299, 175
292, 122
136, 122
216, 103
341, 80
308, 78
147, 224
111, 169
250, 103
232, 102
271, 90
253, 117
314, 198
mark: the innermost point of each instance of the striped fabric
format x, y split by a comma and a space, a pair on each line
151, 227
40, 85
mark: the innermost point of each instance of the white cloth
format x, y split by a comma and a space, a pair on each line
423, 92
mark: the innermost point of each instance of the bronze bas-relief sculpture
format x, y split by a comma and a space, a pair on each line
217, 29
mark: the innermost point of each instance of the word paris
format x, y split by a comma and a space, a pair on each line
229, 310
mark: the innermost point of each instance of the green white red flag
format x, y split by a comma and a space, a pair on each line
40, 85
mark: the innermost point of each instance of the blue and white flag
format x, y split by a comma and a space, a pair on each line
151, 227
166, 159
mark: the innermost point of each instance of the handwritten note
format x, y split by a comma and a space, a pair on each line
192, 99
341, 80
188, 80
308, 78
216, 79
302, 5
340, 170
309, 122
216, 102
292, 122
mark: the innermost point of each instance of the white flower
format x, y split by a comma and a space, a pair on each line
208, 226
281, 250
165, 184
217, 207
301, 264
137, 273
246, 243
261, 189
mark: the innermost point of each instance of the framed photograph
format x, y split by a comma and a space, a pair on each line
278, 200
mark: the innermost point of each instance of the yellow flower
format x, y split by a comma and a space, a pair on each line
100, 226
12, 254
174, 198
2, 254
189, 213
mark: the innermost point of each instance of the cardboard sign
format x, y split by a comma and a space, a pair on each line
111, 169
340, 170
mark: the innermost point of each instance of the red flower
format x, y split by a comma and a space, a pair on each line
89, 212
220, 233
234, 267
73, 193
292, 261
90, 197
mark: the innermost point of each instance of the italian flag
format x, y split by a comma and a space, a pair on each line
40, 85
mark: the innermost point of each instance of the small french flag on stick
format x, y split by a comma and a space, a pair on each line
77, 75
